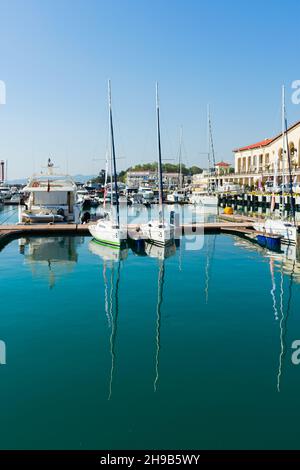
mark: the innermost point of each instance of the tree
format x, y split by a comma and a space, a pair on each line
100, 179
195, 170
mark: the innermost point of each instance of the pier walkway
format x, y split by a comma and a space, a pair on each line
11, 232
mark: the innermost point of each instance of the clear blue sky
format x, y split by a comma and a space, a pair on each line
56, 57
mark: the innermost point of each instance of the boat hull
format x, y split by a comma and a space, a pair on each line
42, 218
270, 242
287, 232
205, 200
108, 235
160, 235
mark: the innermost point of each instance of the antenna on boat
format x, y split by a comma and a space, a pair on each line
160, 179
113, 157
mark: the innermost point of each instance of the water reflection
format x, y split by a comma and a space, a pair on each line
211, 245
52, 257
112, 259
106, 252
285, 263
111, 269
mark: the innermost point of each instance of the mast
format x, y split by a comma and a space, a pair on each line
208, 139
210, 145
113, 157
160, 179
290, 179
283, 133
180, 163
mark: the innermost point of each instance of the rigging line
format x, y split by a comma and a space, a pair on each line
212, 144
5, 220
160, 286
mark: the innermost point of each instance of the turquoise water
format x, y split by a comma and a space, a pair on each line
190, 351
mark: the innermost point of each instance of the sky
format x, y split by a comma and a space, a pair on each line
57, 55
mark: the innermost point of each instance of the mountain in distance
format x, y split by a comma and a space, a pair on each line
78, 178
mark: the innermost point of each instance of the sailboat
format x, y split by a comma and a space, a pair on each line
179, 194
207, 198
281, 227
158, 231
108, 231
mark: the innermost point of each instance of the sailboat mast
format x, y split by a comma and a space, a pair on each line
160, 178
283, 134
113, 156
210, 150
180, 163
208, 138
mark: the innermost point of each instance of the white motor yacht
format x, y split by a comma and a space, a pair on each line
52, 198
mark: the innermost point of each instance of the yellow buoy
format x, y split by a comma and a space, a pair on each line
228, 211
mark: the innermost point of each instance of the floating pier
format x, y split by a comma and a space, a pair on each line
11, 232
235, 225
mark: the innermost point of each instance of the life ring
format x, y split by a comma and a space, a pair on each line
35, 184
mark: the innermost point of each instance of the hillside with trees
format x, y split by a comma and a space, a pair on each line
167, 168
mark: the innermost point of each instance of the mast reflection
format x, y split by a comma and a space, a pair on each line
112, 259
161, 253
287, 264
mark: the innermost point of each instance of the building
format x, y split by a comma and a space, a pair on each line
136, 179
257, 163
200, 181
223, 168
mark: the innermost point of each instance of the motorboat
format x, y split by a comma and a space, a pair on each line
204, 199
176, 196
52, 198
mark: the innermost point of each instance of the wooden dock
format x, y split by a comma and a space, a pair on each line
11, 232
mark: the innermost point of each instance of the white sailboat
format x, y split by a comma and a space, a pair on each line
207, 198
179, 194
158, 231
281, 227
108, 231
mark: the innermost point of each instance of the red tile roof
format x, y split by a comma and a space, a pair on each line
262, 143
223, 164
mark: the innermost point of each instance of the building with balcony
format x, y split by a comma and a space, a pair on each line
257, 163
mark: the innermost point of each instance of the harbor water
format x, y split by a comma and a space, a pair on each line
188, 348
